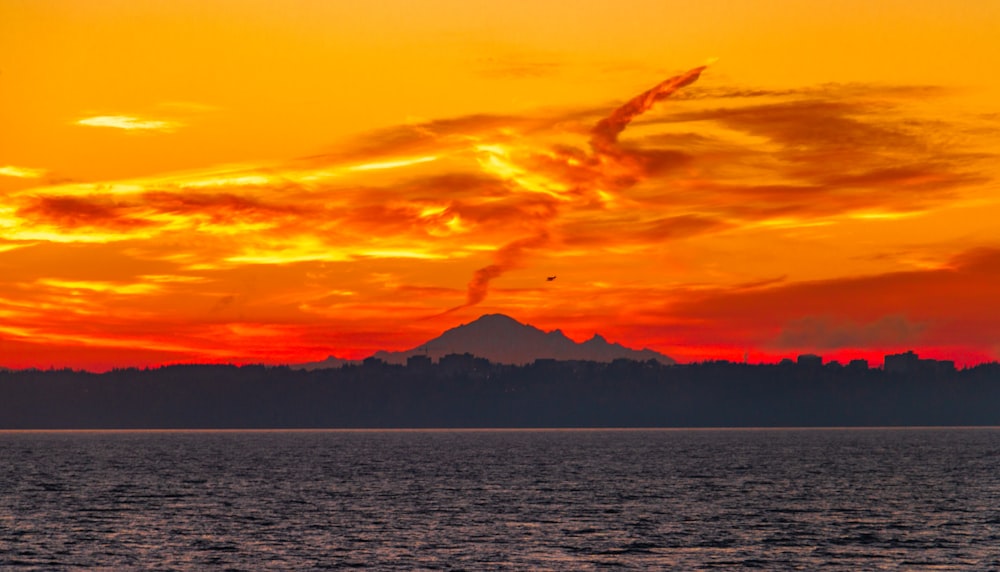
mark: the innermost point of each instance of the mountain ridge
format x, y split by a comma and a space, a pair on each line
502, 339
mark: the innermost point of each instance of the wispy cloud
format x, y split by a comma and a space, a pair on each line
21, 172
130, 123
103, 287
517, 67
831, 332
801, 159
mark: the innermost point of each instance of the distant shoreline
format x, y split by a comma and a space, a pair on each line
480, 395
498, 430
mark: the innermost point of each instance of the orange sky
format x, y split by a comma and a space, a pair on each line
258, 181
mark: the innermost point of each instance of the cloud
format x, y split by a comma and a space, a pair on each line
565, 173
741, 159
102, 287
478, 174
516, 67
605, 134
418, 138
405, 162
633, 229
843, 91
219, 208
821, 158
830, 332
76, 212
130, 123
509, 256
630, 206
815, 125
21, 172
951, 305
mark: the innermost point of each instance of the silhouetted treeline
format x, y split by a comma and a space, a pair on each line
475, 393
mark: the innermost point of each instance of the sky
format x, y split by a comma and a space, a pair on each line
255, 181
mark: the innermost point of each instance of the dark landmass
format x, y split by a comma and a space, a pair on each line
329, 362
464, 391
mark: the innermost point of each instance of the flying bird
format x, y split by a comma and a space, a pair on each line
550, 278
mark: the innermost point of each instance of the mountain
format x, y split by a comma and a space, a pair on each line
502, 339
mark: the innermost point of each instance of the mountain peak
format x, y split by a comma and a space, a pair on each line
495, 320
557, 333
502, 339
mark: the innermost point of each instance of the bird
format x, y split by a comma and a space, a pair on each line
550, 278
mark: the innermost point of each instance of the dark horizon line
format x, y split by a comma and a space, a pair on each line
473, 429
784, 362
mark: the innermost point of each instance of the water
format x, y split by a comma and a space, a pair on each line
872, 499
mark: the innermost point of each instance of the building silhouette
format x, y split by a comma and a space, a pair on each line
419, 362
857, 364
901, 363
809, 360
910, 362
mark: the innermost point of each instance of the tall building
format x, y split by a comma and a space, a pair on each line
910, 362
901, 363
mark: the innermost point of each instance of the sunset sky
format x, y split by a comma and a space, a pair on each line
259, 181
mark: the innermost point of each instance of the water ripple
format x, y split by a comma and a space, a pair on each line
495, 500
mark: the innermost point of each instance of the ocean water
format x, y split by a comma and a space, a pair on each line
851, 499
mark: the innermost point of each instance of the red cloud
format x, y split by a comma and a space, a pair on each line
955, 305
75, 212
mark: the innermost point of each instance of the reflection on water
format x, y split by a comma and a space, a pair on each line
558, 500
